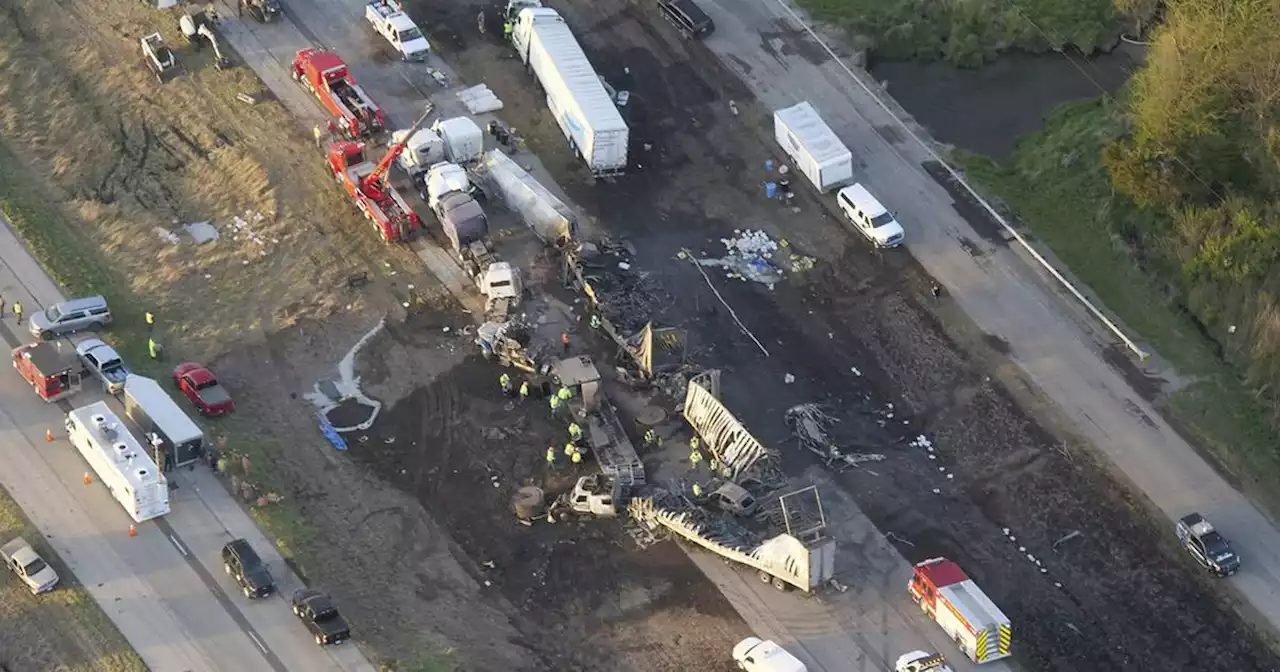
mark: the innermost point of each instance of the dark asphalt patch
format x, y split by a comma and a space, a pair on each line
967, 206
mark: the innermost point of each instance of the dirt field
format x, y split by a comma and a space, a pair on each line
60, 630
1128, 596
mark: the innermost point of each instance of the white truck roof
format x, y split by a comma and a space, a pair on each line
818, 138
756, 655
127, 456
974, 606
161, 408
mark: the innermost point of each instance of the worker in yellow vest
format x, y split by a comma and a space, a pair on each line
504, 381
524, 390
575, 432
576, 457
551, 457
695, 457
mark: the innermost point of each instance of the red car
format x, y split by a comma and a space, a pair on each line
202, 388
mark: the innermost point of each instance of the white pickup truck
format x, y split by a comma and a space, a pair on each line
23, 561
389, 19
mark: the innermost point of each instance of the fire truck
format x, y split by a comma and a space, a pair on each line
370, 187
325, 75
948, 596
50, 374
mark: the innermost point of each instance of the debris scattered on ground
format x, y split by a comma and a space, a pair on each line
245, 233
201, 232
811, 427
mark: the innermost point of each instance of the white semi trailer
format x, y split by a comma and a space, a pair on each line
586, 113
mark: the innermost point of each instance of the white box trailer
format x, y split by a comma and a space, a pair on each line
548, 216
813, 147
120, 461
585, 112
153, 411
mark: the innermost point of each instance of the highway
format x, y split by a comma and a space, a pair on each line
164, 589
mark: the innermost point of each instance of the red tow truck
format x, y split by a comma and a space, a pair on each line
51, 375
370, 187
325, 75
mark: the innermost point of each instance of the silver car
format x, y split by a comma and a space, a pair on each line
104, 362
70, 316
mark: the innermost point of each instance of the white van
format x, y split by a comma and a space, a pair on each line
757, 655
872, 219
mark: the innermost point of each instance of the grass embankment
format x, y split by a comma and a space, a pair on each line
62, 630
97, 159
1057, 185
970, 32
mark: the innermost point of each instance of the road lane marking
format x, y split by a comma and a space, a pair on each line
254, 636
177, 543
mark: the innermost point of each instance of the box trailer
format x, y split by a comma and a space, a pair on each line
120, 461
586, 113
154, 412
813, 147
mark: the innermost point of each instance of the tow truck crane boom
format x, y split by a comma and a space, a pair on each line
375, 179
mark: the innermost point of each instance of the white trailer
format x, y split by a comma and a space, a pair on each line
587, 115
813, 147
547, 215
120, 461
389, 19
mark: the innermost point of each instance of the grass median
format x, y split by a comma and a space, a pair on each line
1058, 188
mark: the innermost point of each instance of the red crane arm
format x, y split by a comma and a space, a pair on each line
379, 173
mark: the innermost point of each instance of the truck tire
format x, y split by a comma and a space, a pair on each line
764, 576
320, 640
781, 585
46, 335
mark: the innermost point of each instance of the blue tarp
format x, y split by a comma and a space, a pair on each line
332, 434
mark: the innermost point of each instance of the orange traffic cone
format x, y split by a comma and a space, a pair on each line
133, 531
48, 435
87, 478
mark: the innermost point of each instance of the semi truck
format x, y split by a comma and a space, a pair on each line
813, 147
388, 18
449, 194
585, 112
369, 187
120, 461
948, 596
325, 75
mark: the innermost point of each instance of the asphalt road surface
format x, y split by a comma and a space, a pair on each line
164, 589
1001, 289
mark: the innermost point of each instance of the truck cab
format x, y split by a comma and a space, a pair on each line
321, 617
389, 19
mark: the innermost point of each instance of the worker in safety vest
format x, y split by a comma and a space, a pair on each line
570, 449
504, 381
319, 133
153, 348
697, 490
524, 390
595, 321
564, 340
507, 28
551, 457
556, 404
564, 393
714, 464
575, 433
151, 319
576, 457
17, 311
695, 443
651, 438
695, 456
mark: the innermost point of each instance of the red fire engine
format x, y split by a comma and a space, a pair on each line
961, 609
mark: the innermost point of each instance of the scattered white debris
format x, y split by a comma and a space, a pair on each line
932, 456
950, 476
788, 379
1005, 530
244, 232
937, 491
1231, 329
166, 235
855, 370
445, 330
1022, 549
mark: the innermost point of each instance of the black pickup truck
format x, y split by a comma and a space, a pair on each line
322, 618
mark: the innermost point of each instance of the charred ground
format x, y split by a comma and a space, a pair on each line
1127, 595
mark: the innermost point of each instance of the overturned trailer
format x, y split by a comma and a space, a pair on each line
548, 216
801, 557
